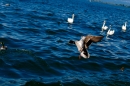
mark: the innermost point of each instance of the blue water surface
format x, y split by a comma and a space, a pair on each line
121, 2
37, 35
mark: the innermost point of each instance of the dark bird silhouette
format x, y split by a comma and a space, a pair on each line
3, 47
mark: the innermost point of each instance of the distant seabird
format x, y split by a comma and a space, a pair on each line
103, 26
3, 47
122, 69
124, 27
84, 43
71, 20
110, 32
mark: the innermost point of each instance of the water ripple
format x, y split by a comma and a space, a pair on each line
37, 36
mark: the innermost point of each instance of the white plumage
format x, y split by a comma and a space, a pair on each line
110, 32
124, 27
71, 20
104, 27
80, 43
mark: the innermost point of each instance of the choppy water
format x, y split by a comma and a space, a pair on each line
37, 35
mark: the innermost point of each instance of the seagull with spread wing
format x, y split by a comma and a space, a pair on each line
84, 43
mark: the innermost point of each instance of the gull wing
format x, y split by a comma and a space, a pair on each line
96, 38
93, 38
89, 39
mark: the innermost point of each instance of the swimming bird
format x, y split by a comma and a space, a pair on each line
71, 20
122, 69
124, 27
3, 47
104, 27
110, 32
84, 43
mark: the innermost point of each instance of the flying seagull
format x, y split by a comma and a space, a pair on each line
84, 43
